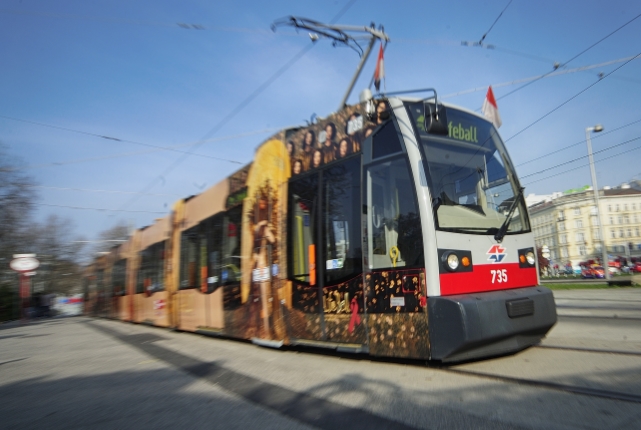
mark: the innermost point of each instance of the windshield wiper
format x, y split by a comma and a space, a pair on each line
501, 233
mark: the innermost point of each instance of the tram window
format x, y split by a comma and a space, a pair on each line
341, 221
214, 228
231, 264
386, 141
303, 198
393, 225
99, 281
151, 270
189, 267
140, 278
118, 278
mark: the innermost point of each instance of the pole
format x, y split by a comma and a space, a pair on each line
25, 296
358, 72
604, 251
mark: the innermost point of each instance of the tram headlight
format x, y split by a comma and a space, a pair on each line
527, 258
530, 258
452, 261
455, 260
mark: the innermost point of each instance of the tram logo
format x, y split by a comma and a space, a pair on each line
496, 254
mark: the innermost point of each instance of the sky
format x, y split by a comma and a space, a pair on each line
89, 91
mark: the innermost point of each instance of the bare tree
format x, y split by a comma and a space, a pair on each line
111, 237
59, 250
16, 205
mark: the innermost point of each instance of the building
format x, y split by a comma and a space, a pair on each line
567, 223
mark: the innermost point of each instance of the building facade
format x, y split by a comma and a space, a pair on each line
568, 225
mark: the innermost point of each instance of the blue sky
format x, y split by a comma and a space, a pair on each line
74, 70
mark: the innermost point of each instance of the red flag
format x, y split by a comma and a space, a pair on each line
380, 69
490, 109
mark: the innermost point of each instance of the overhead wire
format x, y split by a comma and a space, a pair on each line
571, 59
98, 209
494, 23
238, 107
581, 157
267, 130
117, 139
181, 25
578, 143
100, 191
571, 98
533, 78
582, 166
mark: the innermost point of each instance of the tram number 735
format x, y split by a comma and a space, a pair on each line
499, 275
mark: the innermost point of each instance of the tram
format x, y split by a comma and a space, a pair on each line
394, 227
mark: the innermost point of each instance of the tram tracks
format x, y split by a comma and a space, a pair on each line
574, 389
589, 350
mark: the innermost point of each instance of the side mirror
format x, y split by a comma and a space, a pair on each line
436, 119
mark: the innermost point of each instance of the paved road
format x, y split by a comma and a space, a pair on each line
84, 373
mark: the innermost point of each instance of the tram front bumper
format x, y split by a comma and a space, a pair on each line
476, 325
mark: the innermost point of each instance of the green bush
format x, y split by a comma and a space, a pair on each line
8, 303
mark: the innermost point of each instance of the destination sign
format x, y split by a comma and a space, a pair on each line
462, 126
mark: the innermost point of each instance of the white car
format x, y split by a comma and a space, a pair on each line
614, 270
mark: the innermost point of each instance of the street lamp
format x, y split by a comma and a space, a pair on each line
604, 252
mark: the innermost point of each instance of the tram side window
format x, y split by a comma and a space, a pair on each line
214, 250
386, 141
303, 198
189, 250
100, 286
231, 262
394, 227
118, 278
152, 269
341, 221
143, 258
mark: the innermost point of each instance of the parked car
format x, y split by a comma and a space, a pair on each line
614, 271
593, 272
636, 268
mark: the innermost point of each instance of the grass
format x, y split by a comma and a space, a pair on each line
584, 286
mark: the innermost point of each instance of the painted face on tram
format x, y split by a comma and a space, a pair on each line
380, 108
342, 150
298, 167
318, 156
309, 141
329, 134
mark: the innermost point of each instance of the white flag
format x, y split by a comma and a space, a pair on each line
490, 109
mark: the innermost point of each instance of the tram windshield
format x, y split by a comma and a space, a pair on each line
471, 178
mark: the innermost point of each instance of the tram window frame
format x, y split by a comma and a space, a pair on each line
378, 260
189, 237
213, 235
152, 265
229, 255
119, 277
352, 264
309, 237
386, 141
520, 223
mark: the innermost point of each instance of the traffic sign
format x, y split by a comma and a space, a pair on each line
26, 263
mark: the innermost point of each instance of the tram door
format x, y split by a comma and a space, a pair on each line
304, 263
213, 273
393, 261
326, 256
